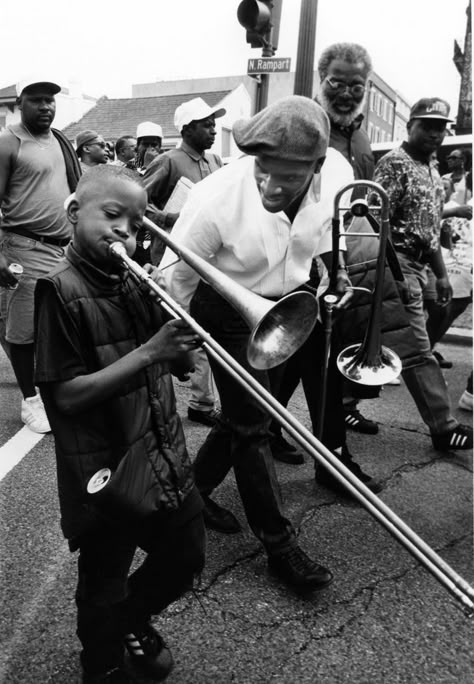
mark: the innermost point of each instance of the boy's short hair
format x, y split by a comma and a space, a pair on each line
104, 172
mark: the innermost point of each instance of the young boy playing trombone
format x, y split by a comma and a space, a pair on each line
103, 352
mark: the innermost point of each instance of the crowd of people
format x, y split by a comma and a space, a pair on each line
94, 353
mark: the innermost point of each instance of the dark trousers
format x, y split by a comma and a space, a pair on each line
241, 440
111, 604
307, 364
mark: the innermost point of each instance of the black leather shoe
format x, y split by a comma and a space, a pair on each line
324, 477
218, 518
442, 362
284, 451
297, 570
209, 418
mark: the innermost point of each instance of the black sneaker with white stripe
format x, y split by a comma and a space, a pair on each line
149, 653
459, 437
356, 421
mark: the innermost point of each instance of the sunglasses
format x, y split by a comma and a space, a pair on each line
340, 86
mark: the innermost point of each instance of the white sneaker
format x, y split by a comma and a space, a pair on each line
465, 401
33, 414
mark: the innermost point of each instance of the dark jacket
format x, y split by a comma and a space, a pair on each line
138, 431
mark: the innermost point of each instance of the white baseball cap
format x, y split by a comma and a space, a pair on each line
148, 129
26, 83
194, 110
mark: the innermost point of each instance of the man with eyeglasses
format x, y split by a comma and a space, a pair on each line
91, 149
343, 70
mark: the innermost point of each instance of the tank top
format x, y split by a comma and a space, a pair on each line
37, 188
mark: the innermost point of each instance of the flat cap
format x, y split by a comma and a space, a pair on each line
86, 137
294, 128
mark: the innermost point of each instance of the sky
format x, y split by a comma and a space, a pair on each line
107, 45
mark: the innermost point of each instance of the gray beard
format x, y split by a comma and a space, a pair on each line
340, 119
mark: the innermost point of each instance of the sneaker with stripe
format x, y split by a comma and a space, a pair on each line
459, 437
356, 421
149, 653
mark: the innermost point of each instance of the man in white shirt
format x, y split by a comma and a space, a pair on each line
260, 220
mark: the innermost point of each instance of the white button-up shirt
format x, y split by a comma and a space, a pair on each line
225, 222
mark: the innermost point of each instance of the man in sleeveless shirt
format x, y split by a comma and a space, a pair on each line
37, 173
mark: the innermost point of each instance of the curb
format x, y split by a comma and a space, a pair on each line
458, 336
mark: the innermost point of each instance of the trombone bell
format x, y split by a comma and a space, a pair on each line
282, 330
354, 364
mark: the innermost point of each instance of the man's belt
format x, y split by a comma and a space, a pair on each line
58, 242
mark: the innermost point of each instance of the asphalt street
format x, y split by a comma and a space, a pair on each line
384, 620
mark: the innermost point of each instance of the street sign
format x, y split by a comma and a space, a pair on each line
268, 65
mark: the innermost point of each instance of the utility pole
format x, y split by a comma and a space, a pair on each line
306, 43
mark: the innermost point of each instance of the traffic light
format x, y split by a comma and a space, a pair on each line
259, 17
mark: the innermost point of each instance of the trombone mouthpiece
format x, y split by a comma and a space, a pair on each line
116, 249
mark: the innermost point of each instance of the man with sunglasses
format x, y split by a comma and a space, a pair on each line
343, 70
91, 149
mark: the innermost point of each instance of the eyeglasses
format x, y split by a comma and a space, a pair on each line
340, 86
100, 144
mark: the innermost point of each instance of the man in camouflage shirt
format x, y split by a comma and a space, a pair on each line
415, 191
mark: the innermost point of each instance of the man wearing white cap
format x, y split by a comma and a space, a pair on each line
38, 170
195, 120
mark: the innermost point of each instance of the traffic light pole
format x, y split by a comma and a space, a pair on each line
263, 84
305, 54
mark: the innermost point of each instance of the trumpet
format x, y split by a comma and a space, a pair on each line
368, 363
446, 575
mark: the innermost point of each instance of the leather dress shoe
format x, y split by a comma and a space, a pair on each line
324, 477
442, 362
297, 570
218, 518
209, 418
284, 451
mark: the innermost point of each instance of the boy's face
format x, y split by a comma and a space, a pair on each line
112, 213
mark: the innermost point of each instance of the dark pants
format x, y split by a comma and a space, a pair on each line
111, 604
241, 440
308, 364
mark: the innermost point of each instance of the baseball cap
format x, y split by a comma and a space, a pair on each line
195, 110
295, 128
27, 83
87, 137
148, 129
430, 108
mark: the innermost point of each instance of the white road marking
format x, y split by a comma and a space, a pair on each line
12, 452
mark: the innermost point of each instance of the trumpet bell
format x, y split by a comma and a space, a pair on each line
282, 330
384, 367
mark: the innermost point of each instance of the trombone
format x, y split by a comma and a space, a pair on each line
368, 363
446, 575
